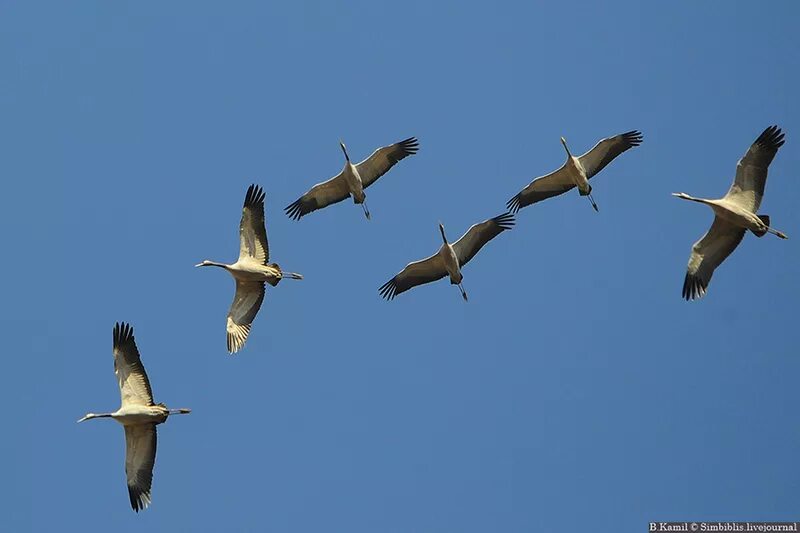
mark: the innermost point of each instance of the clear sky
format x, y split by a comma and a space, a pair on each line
576, 387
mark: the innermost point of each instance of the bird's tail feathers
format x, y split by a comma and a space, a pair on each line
765, 220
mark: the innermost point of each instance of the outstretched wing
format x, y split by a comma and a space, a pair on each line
751, 170
385, 158
320, 195
252, 231
134, 387
479, 234
416, 273
707, 254
140, 457
541, 188
246, 303
607, 150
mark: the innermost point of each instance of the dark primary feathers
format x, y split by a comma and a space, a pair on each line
707, 254
140, 458
134, 385
416, 273
751, 171
433, 268
559, 182
385, 158
335, 189
607, 150
479, 234
252, 229
246, 303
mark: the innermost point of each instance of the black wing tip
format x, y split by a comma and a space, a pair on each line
693, 288
633, 137
513, 205
138, 498
123, 333
295, 210
505, 221
772, 138
255, 196
388, 290
410, 146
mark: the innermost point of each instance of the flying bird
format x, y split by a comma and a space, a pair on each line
251, 270
450, 258
576, 172
138, 415
734, 214
353, 179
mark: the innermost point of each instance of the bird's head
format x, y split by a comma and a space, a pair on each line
682, 195
204, 263
87, 417
441, 229
344, 149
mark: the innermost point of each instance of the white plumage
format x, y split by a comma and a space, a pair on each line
250, 271
138, 414
734, 214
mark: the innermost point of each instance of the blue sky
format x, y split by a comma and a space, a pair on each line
575, 387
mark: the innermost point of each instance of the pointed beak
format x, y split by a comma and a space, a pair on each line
676, 194
199, 265
563, 141
82, 419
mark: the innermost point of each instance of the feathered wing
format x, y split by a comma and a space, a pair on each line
140, 457
607, 150
751, 170
416, 273
707, 254
246, 303
252, 230
479, 234
320, 195
541, 188
385, 158
134, 387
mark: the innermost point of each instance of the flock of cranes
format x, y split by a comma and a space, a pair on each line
734, 215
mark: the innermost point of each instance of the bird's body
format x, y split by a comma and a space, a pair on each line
734, 214
576, 171
354, 183
451, 264
130, 415
250, 271
353, 179
449, 260
139, 415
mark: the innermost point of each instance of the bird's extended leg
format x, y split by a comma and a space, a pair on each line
592, 200
463, 292
780, 234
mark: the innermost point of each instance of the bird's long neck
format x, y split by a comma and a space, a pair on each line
444, 238
684, 196
564, 143
344, 149
95, 415
215, 264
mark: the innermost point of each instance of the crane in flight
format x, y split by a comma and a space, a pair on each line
576, 171
450, 258
353, 179
250, 271
139, 415
734, 214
